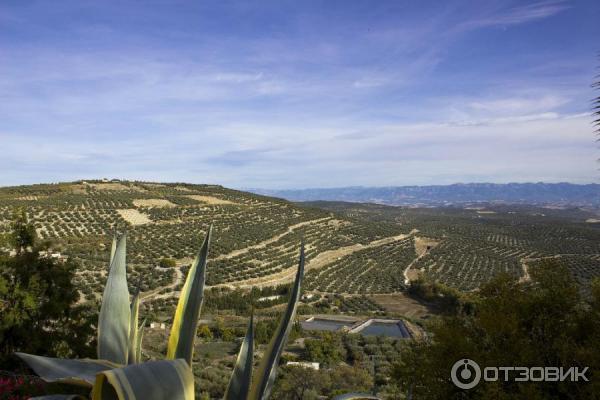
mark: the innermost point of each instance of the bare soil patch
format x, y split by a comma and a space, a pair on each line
400, 303
134, 217
115, 187
423, 244
152, 203
411, 275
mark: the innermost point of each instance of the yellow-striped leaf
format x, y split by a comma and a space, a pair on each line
76, 372
152, 380
113, 248
138, 345
239, 384
114, 318
267, 369
133, 328
185, 323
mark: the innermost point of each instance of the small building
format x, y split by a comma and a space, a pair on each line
54, 255
158, 325
267, 298
305, 364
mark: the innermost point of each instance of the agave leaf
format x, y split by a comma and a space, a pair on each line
267, 369
239, 384
133, 327
356, 396
185, 323
113, 321
152, 380
76, 372
113, 248
138, 345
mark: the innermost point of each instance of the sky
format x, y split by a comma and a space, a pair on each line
298, 94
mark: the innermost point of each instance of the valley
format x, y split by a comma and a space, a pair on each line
351, 248
362, 262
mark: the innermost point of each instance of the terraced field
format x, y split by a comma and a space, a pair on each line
351, 249
255, 237
377, 269
466, 265
468, 246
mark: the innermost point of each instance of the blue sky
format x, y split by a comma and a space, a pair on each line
294, 94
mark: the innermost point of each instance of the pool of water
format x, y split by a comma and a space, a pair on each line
385, 329
325, 325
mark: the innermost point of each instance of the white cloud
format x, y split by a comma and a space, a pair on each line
312, 105
238, 77
520, 105
518, 15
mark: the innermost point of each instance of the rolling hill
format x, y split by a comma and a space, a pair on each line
352, 249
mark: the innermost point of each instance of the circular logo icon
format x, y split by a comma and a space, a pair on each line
465, 374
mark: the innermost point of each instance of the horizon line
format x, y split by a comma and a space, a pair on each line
251, 189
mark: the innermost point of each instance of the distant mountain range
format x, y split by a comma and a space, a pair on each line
558, 194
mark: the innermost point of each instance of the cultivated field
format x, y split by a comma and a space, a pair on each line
351, 249
465, 247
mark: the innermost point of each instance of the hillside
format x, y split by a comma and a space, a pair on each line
511, 193
464, 247
352, 249
256, 239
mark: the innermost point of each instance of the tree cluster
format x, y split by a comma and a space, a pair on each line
38, 303
544, 322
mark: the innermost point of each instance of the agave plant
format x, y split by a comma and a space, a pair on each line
118, 373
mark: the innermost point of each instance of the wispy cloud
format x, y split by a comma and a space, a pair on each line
241, 158
519, 14
246, 94
520, 105
238, 77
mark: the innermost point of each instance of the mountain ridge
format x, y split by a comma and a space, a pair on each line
539, 193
